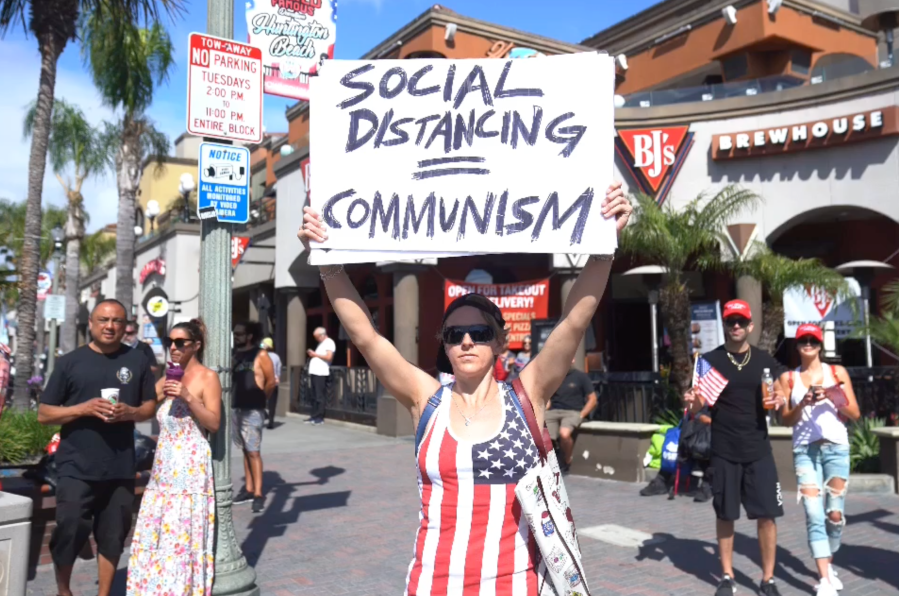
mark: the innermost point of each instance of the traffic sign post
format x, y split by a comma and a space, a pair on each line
224, 190
224, 89
55, 308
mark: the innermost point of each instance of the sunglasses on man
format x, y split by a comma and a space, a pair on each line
743, 322
479, 334
179, 343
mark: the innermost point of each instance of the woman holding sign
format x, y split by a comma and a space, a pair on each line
474, 443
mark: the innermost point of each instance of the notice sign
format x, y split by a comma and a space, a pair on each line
295, 37
224, 89
475, 156
519, 303
224, 182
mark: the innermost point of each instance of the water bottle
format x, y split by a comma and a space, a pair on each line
767, 389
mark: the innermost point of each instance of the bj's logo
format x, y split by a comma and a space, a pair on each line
654, 156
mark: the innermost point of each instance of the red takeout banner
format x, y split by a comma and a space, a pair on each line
519, 303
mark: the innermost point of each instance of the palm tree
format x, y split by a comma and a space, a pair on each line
74, 144
677, 239
777, 274
53, 23
127, 62
96, 250
12, 230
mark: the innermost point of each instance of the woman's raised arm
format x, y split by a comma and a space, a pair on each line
543, 375
403, 380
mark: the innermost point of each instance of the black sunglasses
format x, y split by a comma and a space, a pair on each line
808, 341
479, 334
179, 343
734, 321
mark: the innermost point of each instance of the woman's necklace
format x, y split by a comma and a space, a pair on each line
466, 418
740, 365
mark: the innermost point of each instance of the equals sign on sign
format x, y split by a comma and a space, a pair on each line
449, 169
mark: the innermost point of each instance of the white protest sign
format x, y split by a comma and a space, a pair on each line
812, 305
467, 156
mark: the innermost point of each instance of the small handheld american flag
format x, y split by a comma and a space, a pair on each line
708, 381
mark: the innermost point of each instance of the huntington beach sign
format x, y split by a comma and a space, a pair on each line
463, 156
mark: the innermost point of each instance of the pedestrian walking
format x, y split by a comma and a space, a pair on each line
132, 341
742, 464
320, 360
573, 401
269, 345
821, 399
476, 445
172, 547
522, 358
253, 381
96, 393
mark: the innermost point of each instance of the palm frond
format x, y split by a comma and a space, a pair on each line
15, 12
692, 234
890, 300
127, 62
73, 141
96, 249
778, 273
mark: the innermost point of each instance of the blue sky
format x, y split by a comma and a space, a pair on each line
362, 24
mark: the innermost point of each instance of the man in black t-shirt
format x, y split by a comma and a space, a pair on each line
95, 458
569, 406
742, 464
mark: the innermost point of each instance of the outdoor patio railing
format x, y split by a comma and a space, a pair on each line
352, 394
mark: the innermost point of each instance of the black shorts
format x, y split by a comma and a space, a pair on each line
104, 507
753, 484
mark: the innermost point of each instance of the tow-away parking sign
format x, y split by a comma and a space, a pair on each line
224, 89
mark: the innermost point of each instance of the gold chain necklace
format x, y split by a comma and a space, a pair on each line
740, 365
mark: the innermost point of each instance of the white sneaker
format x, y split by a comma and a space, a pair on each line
834, 580
825, 589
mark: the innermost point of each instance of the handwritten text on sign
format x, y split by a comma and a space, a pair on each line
478, 155
224, 91
519, 303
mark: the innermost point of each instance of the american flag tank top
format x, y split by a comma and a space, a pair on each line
473, 539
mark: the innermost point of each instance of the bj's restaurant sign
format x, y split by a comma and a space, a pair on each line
828, 132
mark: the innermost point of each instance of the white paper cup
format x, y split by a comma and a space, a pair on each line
110, 395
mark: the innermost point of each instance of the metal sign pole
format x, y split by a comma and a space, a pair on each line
232, 573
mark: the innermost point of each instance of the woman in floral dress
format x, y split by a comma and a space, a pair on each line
171, 552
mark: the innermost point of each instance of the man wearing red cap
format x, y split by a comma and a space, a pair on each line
742, 465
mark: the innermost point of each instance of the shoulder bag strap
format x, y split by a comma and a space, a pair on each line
426, 414
520, 395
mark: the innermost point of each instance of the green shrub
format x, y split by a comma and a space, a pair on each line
864, 446
22, 436
668, 417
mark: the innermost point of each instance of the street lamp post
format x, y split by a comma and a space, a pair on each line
58, 236
233, 575
186, 185
153, 212
864, 272
652, 277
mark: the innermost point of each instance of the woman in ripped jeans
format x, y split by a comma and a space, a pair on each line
821, 399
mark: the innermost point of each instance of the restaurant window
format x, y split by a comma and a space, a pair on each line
801, 62
735, 67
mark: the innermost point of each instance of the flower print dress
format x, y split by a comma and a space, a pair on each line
171, 552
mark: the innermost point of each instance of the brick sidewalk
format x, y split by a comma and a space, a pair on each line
343, 522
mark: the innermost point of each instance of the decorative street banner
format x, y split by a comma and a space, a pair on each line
296, 37
467, 156
519, 303
811, 305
